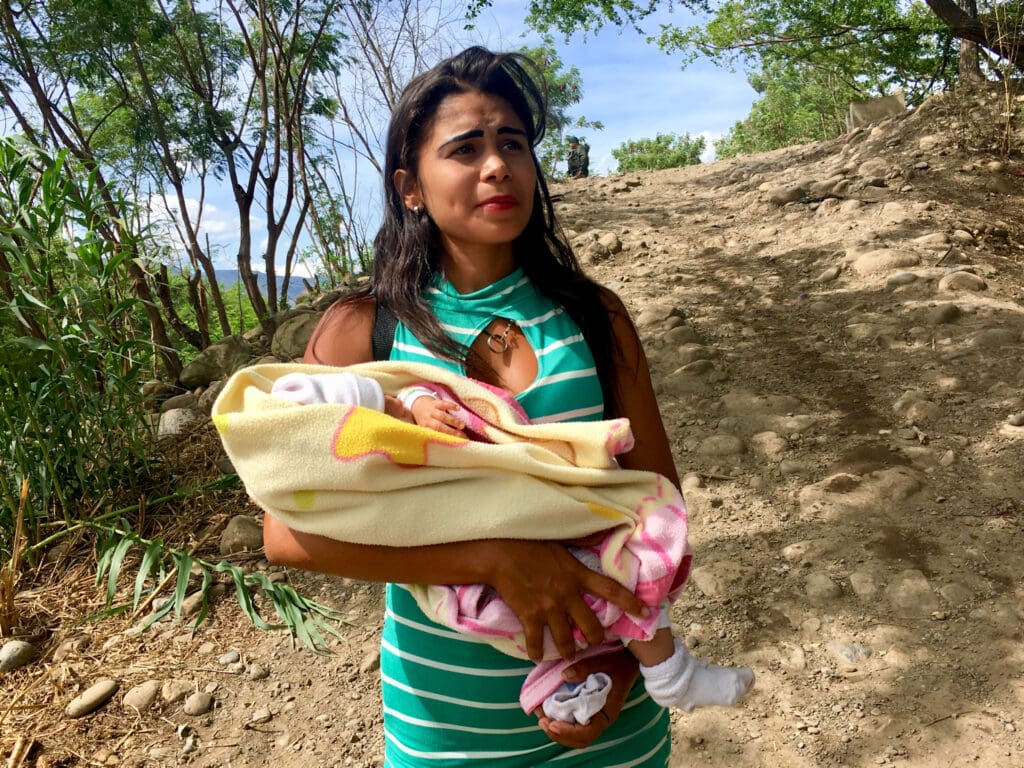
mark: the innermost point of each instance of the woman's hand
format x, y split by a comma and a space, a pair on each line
623, 669
544, 585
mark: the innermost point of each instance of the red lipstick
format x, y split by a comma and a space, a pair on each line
500, 202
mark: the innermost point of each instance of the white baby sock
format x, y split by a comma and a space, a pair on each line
343, 388
685, 682
578, 702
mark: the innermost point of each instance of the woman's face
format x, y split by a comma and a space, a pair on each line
476, 173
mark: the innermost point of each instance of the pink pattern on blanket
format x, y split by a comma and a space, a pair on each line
476, 425
655, 565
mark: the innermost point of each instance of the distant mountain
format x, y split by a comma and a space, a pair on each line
228, 277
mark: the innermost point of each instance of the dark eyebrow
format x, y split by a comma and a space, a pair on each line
476, 133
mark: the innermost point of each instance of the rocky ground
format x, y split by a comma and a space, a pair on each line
836, 332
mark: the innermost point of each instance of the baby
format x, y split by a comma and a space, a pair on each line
671, 675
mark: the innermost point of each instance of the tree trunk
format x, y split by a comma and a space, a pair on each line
161, 342
1008, 43
970, 66
187, 332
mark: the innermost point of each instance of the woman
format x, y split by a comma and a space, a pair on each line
469, 263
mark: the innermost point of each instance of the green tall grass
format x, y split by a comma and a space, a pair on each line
74, 349
72, 352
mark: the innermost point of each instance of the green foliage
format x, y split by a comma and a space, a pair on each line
241, 315
569, 16
868, 46
177, 95
564, 89
305, 619
797, 105
72, 353
666, 150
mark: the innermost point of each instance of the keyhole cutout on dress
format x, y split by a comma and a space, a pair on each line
513, 370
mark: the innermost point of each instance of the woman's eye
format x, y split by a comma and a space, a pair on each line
465, 149
513, 144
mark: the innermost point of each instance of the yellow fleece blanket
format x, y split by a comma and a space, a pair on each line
357, 475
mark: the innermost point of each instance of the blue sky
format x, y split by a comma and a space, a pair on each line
630, 85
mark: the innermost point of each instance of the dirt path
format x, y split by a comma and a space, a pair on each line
840, 376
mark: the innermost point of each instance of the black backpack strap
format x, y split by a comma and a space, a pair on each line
384, 324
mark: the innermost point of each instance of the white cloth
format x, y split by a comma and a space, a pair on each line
344, 388
410, 395
578, 702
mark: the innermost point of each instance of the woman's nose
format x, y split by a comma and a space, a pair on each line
495, 166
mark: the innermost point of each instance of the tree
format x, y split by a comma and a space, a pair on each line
227, 93
866, 47
798, 104
998, 28
386, 44
564, 89
663, 151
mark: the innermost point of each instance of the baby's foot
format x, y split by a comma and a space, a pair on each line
715, 686
685, 682
578, 702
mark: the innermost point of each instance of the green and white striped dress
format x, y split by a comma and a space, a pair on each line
453, 701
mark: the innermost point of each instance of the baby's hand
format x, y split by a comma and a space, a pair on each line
393, 407
432, 413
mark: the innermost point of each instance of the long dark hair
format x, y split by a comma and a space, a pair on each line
407, 249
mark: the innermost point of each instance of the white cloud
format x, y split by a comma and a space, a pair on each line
299, 270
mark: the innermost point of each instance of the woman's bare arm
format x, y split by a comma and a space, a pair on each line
651, 451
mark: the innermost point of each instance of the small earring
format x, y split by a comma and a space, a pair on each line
416, 210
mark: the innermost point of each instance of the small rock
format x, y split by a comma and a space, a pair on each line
721, 445
995, 337
70, 647
911, 592
900, 279
829, 274
198, 704
771, 445
794, 468
1016, 420
142, 696
720, 578
243, 532
15, 654
178, 422
91, 699
192, 604
258, 672
820, 587
863, 584
260, 716
174, 691
370, 662
962, 281
228, 658
787, 194
850, 653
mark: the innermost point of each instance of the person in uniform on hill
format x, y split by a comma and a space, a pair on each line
579, 158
